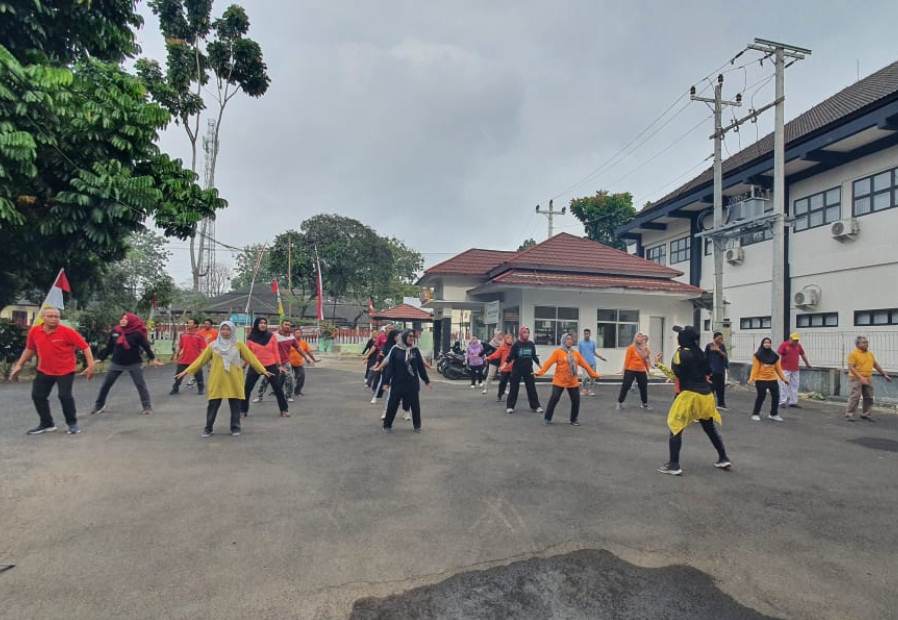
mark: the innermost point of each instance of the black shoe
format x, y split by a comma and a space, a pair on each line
795, 406
173, 392
39, 430
575, 423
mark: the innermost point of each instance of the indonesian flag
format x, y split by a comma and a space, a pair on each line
276, 289
54, 298
319, 290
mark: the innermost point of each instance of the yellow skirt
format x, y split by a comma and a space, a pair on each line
689, 407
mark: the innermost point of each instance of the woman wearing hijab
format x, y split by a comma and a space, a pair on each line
403, 370
474, 358
493, 368
503, 369
125, 344
264, 347
637, 363
378, 382
765, 370
522, 357
566, 359
694, 403
225, 375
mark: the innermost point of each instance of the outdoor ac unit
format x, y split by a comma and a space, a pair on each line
808, 297
845, 229
734, 256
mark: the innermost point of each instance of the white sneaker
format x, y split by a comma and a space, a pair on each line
480, 384
756, 418
384, 416
539, 409
289, 399
407, 417
257, 399
619, 406
776, 418
473, 387
374, 400
509, 411
484, 391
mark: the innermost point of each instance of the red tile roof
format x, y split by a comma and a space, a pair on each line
473, 262
403, 312
566, 252
584, 280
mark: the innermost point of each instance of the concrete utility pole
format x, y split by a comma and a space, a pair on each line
717, 241
550, 214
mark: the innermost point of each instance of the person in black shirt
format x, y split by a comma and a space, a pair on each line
716, 352
694, 403
403, 370
370, 360
125, 344
522, 357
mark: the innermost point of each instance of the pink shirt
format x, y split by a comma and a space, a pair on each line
790, 355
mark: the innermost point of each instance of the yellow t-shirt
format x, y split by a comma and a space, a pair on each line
862, 361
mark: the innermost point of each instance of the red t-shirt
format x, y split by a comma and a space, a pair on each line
789, 355
55, 350
191, 345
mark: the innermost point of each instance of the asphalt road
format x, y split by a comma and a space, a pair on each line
483, 515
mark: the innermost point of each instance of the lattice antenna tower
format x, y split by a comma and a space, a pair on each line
207, 226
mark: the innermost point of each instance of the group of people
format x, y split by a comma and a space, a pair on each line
277, 357
394, 365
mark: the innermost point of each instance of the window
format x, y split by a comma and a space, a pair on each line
817, 210
754, 322
615, 329
707, 325
679, 250
20, 318
875, 193
552, 323
655, 254
817, 319
756, 236
876, 317
511, 320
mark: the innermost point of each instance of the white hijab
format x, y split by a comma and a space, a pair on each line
227, 347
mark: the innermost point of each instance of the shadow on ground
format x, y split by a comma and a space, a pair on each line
582, 584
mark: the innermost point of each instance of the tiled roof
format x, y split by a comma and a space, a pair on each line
470, 262
584, 280
873, 89
566, 252
403, 312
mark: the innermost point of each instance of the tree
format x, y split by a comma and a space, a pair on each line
245, 265
528, 243
196, 45
79, 168
603, 214
144, 265
219, 279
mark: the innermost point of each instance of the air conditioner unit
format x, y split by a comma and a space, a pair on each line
734, 256
808, 297
845, 229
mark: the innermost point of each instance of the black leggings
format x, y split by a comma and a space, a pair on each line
676, 442
503, 383
515, 387
409, 400
718, 381
476, 374
762, 387
573, 392
642, 380
276, 382
212, 411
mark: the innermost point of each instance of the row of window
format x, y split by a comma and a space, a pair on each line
680, 251
862, 318
614, 328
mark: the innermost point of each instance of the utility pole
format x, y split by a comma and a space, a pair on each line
550, 214
717, 241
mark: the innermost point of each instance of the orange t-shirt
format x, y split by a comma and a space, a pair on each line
633, 360
296, 359
209, 335
565, 376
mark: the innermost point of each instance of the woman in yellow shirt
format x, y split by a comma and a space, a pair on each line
566, 359
765, 370
225, 375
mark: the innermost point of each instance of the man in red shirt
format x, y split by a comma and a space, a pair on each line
55, 346
190, 345
789, 351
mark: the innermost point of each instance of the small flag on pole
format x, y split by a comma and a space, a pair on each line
319, 289
276, 289
54, 298
371, 309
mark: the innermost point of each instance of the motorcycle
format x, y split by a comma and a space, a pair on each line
452, 366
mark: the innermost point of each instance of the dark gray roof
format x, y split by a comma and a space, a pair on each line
875, 89
264, 302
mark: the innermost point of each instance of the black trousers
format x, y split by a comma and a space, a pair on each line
762, 387
676, 442
299, 379
557, 391
718, 381
503, 383
515, 387
40, 392
409, 398
642, 380
477, 374
181, 368
277, 383
212, 411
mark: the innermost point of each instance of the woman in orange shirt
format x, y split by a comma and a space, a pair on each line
765, 370
504, 369
636, 368
566, 359
265, 347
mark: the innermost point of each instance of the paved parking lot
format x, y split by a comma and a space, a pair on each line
323, 515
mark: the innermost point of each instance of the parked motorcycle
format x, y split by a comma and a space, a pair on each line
452, 366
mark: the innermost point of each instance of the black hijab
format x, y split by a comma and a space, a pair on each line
687, 338
257, 335
766, 356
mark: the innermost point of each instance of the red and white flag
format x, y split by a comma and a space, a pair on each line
371, 309
54, 298
319, 289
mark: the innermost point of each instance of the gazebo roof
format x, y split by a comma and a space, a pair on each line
403, 312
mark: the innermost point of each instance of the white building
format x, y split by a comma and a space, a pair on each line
841, 244
565, 284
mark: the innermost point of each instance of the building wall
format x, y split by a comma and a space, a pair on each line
675, 230
30, 311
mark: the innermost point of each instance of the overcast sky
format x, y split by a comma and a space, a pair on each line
444, 124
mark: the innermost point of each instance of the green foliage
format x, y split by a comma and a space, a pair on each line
603, 214
528, 243
246, 263
12, 343
96, 322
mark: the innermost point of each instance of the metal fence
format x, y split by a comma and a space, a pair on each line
826, 349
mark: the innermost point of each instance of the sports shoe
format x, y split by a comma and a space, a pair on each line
547, 422
619, 406
407, 417
795, 406
97, 410
575, 423
235, 433
646, 406
484, 391
867, 417
147, 412
671, 470
383, 416
374, 400
539, 410
173, 392
591, 393
285, 414
723, 464
289, 399
39, 430
722, 407
473, 387
756, 418
74, 429
776, 418
499, 399
417, 430
509, 411
206, 434
257, 399
480, 384
388, 429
